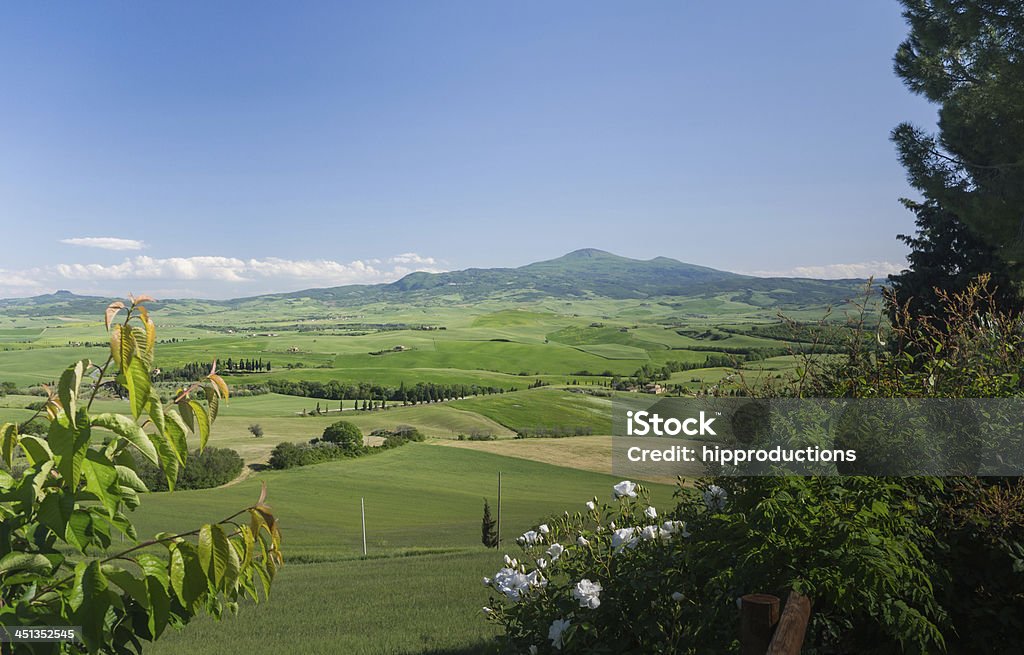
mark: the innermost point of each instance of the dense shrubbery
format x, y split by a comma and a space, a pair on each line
287, 455
212, 467
551, 432
920, 564
623, 578
338, 442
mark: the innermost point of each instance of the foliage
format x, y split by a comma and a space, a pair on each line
629, 580
344, 434
59, 517
204, 469
340, 445
945, 255
969, 349
964, 55
399, 436
256, 430
488, 528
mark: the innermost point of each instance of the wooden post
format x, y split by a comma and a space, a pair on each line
758, 615
362, 510
789, 635
499, 510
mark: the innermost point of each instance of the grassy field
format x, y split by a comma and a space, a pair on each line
544, 409
420, 592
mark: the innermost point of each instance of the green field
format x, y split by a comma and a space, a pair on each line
419, 590
422, 523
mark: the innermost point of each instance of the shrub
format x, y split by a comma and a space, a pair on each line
286, 455
256, 430
624, 578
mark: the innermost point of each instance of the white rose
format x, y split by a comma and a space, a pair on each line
587, 593
624, 489
558, 626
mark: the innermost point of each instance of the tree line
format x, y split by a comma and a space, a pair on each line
421, 392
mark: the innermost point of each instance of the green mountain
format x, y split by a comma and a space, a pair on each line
591, 273
581, 274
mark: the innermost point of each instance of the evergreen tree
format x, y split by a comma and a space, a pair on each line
489, 536
945, 255
966, 56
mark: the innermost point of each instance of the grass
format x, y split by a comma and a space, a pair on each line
544, 408
332, 601
412, 499
413, 605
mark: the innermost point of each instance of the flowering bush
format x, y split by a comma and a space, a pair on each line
624, 577
607, 579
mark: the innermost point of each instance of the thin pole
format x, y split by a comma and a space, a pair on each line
499, 509
362, 510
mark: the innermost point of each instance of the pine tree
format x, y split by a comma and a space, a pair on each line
946, 255
965, 56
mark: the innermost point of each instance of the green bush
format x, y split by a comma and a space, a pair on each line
627, 579
286, 455
344, 434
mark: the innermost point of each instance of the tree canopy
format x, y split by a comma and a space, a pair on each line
967, 56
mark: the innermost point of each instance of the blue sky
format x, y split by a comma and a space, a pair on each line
220, 149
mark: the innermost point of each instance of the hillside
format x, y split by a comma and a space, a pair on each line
581, 274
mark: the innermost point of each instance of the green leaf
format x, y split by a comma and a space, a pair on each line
168, 458
213, 554
126, 347
202, 421
67, 389
78, 528
130, 430
187, 576
136, 379
134, 587
156, 413
154, 567
31, 562
69, 445
8, 438
160, 606
127, 477
93, 587
101, 480
187, 415
55, 512
177, 432
36, 450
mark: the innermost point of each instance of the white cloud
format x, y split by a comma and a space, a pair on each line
412, 258
16, 284
836, 271
106, 243
210, 276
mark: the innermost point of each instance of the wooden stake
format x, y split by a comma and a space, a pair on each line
758, 615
